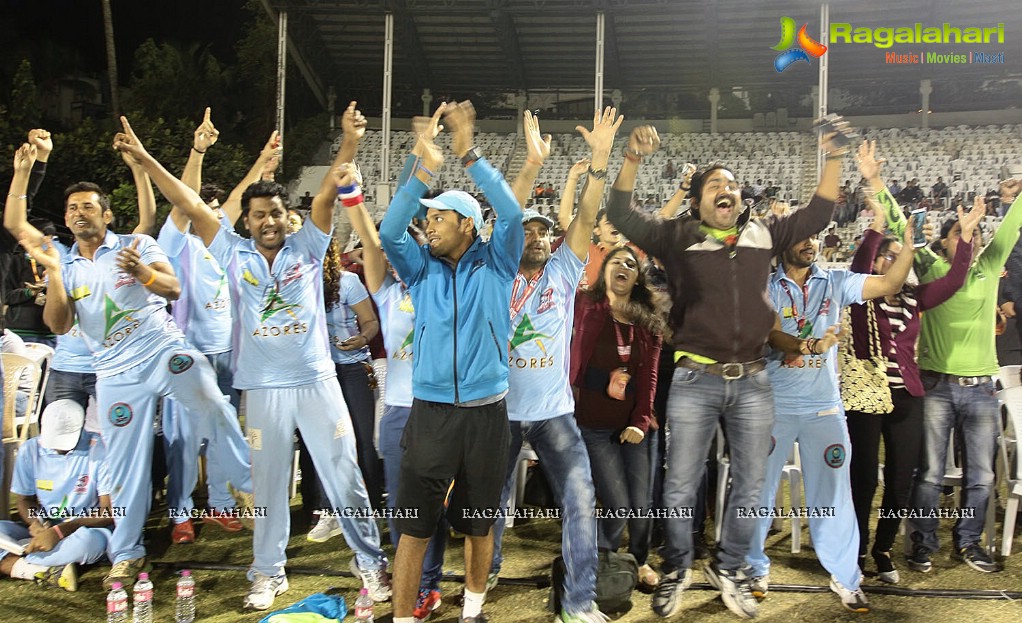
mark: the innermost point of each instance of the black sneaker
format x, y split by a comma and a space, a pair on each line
667, 597
886, 572
977, 558
919, 559
735, 590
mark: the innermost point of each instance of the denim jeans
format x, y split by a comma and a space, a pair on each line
77, 386
698, 400
558, 443
974, 412
622, 475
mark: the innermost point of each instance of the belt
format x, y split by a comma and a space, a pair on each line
728, 371
964, 381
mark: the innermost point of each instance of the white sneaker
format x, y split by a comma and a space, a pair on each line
325, 529
376, 581
264, 590
855, 601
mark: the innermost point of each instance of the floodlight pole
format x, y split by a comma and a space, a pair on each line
383, 187
823, 81
281, 70
598, 88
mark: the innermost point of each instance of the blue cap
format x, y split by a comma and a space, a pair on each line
457, 200
530, 215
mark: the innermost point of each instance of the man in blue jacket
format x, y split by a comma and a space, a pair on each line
461, 288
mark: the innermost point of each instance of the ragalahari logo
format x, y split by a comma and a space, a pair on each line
809, 46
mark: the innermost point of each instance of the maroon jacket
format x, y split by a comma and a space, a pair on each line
590, 317
927, 295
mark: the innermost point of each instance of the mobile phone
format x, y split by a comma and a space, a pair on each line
918, 221
835, 123
688, 169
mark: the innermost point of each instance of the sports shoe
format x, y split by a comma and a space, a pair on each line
427, 601
977, 558
183, 532
64, 576
376, 581
919, 559
491, 581
735, 591
264, 590
885, 567
225, 521
325, 529
593, 615
125, 572
667, 596
854, 601
759, 586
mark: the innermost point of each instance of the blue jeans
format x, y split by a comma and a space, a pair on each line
77, 386
392, 425
623, 477
698, 400
974, 412
558, 443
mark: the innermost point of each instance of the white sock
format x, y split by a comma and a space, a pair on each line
24, 570
473, 604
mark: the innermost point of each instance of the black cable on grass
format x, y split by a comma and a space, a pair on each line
543, 581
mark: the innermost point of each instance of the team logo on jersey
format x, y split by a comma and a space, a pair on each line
120, 414
274, 303
526, 332
293, 273
402, 352
82, 484
834, 455
114, 314
546, 301
405, 306
179, 363
124, 279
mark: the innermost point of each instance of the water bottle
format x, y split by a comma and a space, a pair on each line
117, 604
184, 610
143, 598
364, 607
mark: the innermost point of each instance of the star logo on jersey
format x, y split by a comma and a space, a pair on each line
274, 303
525, 332
114, 314
405, 305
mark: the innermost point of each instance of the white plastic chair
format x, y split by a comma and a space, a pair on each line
19, 372
1011, 461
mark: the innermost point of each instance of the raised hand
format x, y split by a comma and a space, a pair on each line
644, 140
1011, 187
42, 141
537, 145
346, 175
272, 149
578, 169
605, 126
128, 141
838, 142
130, 261
869, 164
24, 158
353, 123
205, 135
425, 148
41, 249
461, 118
970, 221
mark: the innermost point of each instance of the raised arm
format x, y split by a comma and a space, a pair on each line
996, 253
645, 230
203, 221
537, 149
16, 206
600, 140
862, 262
670, 209
267, 157
43, 142
566, 209
204, 137
146, 198
354, 125
892, 281
935, 292
374, 263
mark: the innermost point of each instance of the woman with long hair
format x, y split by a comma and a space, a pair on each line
614, 351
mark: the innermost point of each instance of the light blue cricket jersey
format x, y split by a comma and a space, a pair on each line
809, 384
397, 321
538, 387
72, 353
341, 322
280, 337
123, 323
203, 311
70, 480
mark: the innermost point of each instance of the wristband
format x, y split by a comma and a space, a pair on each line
152, 279
598, 174
197, 151
56, 529
471, 156
17, 196
347, 191
352, 201
631, 154
420, 167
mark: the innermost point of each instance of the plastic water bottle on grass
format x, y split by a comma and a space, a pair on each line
117, 604
143, 597
364, 607
184, 610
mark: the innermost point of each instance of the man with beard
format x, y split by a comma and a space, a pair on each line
808, 408
461, 289
717, 262
540, 402
283, 365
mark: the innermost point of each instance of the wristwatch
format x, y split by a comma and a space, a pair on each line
600, 174
471, 156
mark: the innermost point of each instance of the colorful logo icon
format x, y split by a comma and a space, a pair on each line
809, 46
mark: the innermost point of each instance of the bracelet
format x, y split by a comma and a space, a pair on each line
811, 345
419, 167
152, 279
631, 154
197, 151
17, 196
56, 529
352, 201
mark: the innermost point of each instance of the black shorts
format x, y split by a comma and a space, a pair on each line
444, 443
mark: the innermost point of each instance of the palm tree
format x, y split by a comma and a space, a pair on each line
111, 59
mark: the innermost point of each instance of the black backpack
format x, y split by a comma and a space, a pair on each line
615, 580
